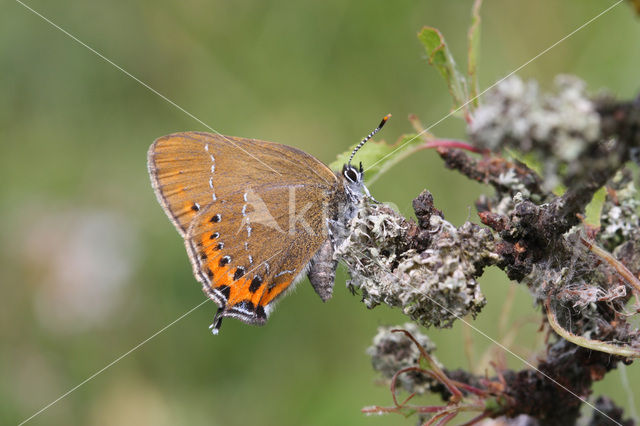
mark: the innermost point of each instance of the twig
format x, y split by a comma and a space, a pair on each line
596, 345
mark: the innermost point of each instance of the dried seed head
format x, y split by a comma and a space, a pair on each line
391, 352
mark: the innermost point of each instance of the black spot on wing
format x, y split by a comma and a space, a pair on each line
255, 284
239, 273
225, 290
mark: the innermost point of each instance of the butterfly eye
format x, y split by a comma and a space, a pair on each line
352, 174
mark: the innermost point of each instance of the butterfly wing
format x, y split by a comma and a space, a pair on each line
252, 214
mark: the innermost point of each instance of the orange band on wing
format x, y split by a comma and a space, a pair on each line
275, 290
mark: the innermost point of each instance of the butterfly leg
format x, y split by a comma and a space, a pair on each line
322, 271
368, 194
217, 321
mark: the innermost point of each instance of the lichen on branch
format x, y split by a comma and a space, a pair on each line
428, 269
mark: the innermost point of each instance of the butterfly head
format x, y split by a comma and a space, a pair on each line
353, 177
353, 180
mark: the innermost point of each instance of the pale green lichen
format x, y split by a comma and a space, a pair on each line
434, 286
558, 127
620, 219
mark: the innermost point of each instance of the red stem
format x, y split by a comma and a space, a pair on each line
439, 374
452, 143
469, 388
377, 409
447, 418
430, 409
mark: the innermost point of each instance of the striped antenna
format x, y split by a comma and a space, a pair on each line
369, 136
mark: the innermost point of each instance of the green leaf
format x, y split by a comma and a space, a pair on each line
378, 157
425, 364
406, 411
473, 37
493, 405
440, 57
594, 208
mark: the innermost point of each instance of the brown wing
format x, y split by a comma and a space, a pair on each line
252, 214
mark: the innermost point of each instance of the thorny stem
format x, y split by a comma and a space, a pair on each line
596, 345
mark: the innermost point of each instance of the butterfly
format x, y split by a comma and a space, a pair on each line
255, 216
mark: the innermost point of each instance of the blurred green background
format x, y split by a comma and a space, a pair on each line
90, 266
